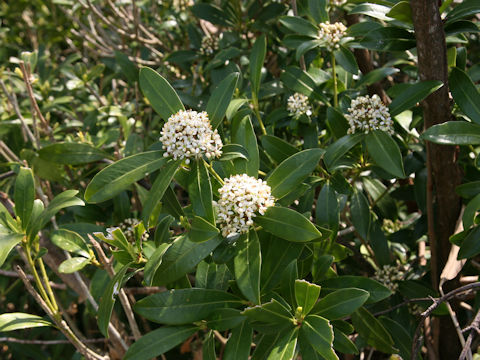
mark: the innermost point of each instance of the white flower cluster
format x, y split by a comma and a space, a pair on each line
240, 198
332, 34
298, 105
367, 114
389, 275
209, 45
128, 228
189, 134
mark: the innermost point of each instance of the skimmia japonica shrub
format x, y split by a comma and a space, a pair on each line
238, 180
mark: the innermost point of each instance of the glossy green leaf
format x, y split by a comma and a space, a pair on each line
288, 224
159, 93
340, 303
300, 81
118, 176
372, 331
376, 290
318, 10
388, 38
360, 213
373, 10
211, 13
176, 307
73, 264
376, 75
402, 339
412, 95
233, 151
385, 152
342, 343
7, 243
292, 171
346, 59
327, 211
154, 263
19, 321
162, 182
107, 300
24, 195
69, 153
257, 57
265, 345
202, 230
299, 26
34, 224
239, 344
224, 318
200, 191
319, 333
470, 212
465, 93
247, 264
70, 241
339, 148
208, 347
243, 134
306, 295
470, 246
278, 149
220, 99
159, 341
284, 348
463, 10
401, 11
271, 312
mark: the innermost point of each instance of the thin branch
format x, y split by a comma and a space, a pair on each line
30, 277
47, 342
474, 328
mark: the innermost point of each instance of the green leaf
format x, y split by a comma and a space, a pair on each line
465, 93
162, 182
327, 211
239, 344
342, 343
34, 223
159, 93
464, 9
292, 171
20, 321
340, 303
300, 81
208, 347
412, 95
257, 57
306, 295
176, 307
278, 149
127, 67
265, 345
299, 26
220, 99
385, 152
319, 333
233, 151
373, 10
360, 213
211, 13
202, 230
318, 10
372, 331
73, 264
453, 133
108, 299
346, 59
181, 257
24, 195
288, 224
224, 318
70, 241
118, 176
159, 341
401, 337
470, 246
401, 11
271, 312
7, 243
247, 264
200, 191
284, 348
470, 212
154, 263
70, 153
388, 38
339, 148
243, 134
376, 290
376, 75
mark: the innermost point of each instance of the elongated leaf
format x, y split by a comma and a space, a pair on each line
239, 344
288, 224
327, 211
376, 290
69, 153
162, 182
211, 13
346, 59
108, 300
340, 303
401, 11
70, 241
453, 133
376, 75
265, 345
278, 149
224, 318
385, 152
176, 307
463, 10
318, 10
342, 343
388, 38
247, 264
220, 99
470, 245
154, 262
73, 264
374, 10
300, 81
159, 93
120, 175
200, 191
360, 213
400, 336
339, 148
319, 333
257, 57
7, 243
412, 95
243, 134
202, 230
292, 171
24, 195
372, 331
20, 321
208, 347
284, 348
306, 295
159, 341
465, 93
299, 26
181, 258
271, 312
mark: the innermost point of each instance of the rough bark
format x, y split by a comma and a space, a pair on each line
444, 173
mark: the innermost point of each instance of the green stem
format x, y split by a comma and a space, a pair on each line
213, 172
41, 289
334, 75
257, 114
47, 284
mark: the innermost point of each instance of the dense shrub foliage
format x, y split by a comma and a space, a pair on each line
239, 179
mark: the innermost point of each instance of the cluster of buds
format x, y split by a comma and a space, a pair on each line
390, 226
390, 275
209, 45
367, 114
189, 134
128, 228
241, 197
298, 105
331, 34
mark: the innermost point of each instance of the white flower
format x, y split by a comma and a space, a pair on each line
367, 114
241, 197
332, 34
189, 134
209, 45
298, 105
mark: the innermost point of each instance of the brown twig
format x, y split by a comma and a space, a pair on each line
145, 290
30, 277
474, 328
47, 342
